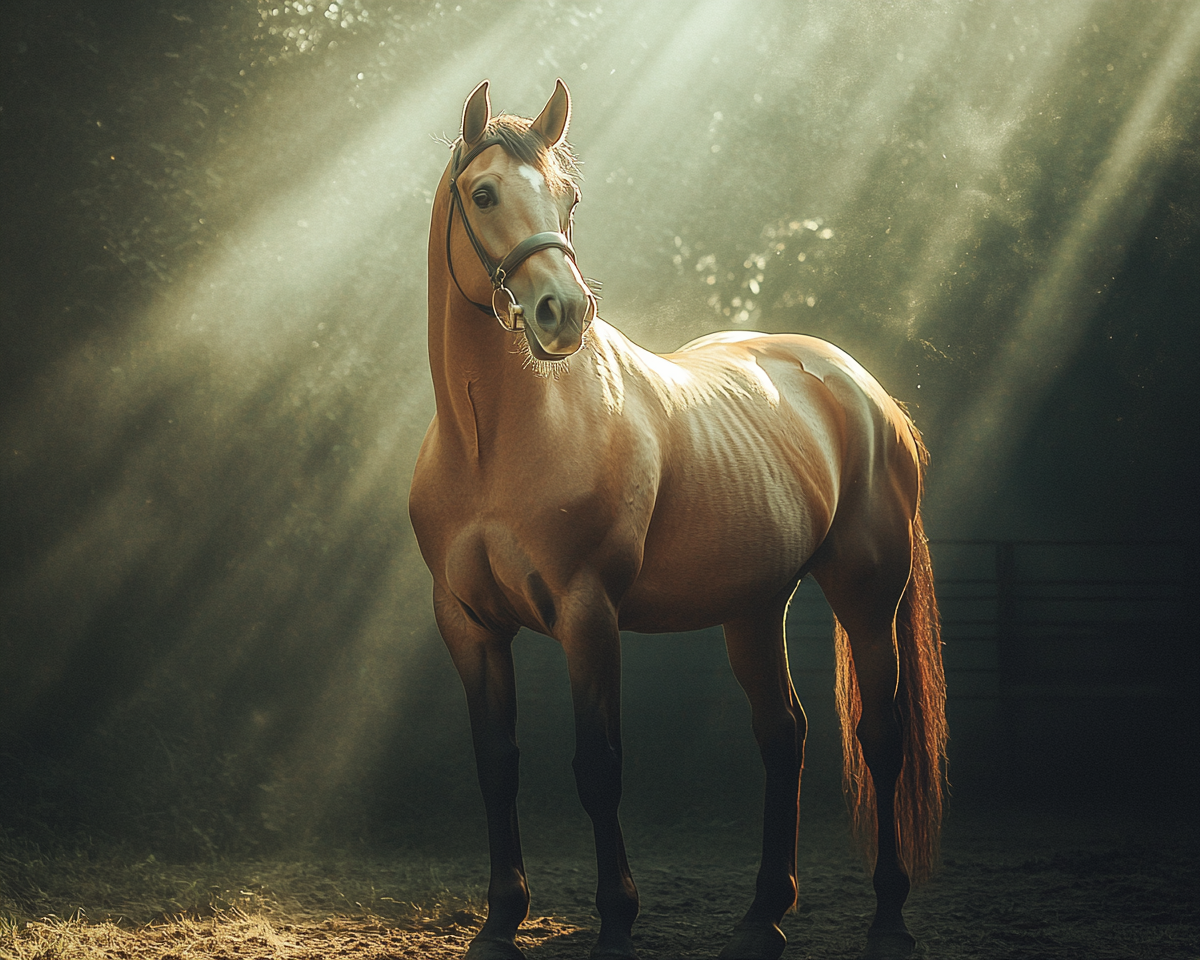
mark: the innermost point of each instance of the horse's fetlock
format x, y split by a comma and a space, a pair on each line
618, 904
774, 895
508, 899
892, 887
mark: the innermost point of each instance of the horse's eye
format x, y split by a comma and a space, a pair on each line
483, 199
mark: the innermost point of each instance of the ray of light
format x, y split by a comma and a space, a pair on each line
1059, 305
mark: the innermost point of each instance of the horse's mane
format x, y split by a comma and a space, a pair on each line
557, 164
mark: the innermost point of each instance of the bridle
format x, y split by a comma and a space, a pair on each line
510, 313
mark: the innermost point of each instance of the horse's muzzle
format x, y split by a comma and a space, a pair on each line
555, 331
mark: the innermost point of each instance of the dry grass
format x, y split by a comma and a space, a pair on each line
236, 934
97, 904
1016, 884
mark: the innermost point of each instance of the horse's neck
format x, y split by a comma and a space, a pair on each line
460, 340
480, 384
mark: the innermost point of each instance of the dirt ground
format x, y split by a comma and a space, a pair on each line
1015, 883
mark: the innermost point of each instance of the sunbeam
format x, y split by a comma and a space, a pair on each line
1056, 311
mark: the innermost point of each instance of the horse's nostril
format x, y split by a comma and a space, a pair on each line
548, 313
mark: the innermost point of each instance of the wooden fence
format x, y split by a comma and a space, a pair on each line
1070, 664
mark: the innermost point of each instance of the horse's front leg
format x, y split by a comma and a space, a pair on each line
484, 663
593, 647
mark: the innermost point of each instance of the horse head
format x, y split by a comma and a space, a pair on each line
511, 202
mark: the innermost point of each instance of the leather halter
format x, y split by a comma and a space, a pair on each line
512, 314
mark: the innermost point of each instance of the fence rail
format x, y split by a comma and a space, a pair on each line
1058, 654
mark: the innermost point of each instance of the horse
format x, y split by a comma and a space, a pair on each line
577, 485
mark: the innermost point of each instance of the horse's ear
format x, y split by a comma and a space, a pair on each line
552, 122
476, 114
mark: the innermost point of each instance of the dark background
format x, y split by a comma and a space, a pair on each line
215, 629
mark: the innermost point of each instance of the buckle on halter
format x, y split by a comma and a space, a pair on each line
511, 315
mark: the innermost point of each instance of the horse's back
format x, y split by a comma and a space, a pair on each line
875, 431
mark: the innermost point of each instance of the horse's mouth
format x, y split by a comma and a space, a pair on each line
541, 353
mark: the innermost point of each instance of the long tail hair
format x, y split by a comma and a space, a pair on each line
921, 706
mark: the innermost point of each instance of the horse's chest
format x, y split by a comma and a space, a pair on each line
516, 570
513, 546
487, 573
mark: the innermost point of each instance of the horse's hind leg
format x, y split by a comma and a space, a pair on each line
863, 575
758, 656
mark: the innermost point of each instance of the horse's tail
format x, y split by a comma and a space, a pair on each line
921, 706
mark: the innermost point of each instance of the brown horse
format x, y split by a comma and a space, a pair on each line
618, 489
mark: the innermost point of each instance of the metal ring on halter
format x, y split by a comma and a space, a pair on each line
512, 318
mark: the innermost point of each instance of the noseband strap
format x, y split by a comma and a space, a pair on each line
526, 249
498, 271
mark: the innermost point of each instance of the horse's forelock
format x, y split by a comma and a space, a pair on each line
557, 164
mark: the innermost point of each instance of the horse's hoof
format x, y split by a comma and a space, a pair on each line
760, 940
892, 945
487, 948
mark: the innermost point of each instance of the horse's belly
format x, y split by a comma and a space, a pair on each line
714, 562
